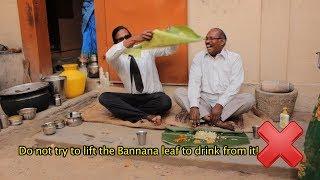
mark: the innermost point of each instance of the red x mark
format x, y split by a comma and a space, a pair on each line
280, 144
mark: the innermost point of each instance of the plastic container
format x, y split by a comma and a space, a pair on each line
76, 80
284, 118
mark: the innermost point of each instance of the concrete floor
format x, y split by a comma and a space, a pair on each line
112, 136
98, 134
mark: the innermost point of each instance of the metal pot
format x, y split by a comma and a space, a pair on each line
59, 124
57, 100
93, 58
25, 96
49, 128
57, 84
93, 70
28, 113
74, 119
15, 120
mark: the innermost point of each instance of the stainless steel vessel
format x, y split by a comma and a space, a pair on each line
59, 124
57, 100
93, 70
28, 113
93, 67
74, 119
57, 84
142, 137
49, 128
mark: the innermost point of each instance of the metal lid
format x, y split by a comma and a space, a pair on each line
24, 88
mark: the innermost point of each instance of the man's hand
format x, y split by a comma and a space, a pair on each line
194, 116
216, 112
145, 36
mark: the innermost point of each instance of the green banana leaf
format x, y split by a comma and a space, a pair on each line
179, 129
224, 138
174, 35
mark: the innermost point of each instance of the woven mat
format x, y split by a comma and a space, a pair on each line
95, 112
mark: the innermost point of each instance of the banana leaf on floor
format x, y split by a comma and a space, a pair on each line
224, 138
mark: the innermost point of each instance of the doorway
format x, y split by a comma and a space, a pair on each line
64, 28
65, 32
139, 16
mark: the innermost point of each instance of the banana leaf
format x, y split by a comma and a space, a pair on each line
224, 138
178, 129
174, 35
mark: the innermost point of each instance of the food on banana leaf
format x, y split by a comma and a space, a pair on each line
197, 141
209, 137
181, 138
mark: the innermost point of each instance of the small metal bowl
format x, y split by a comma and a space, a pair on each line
15, 120
59, 124
49, 128
74, 114
28, 113
72, 122
74, 119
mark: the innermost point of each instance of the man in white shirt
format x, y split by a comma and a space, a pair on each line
215, 78
145, 98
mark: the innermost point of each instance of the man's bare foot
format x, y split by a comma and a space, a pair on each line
155, 119
182, 116
208, 120
230, 125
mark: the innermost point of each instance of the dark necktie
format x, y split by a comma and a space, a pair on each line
135, 74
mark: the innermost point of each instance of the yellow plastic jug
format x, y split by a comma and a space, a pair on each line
76, 80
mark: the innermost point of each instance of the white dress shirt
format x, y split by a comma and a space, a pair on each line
146, 63
217, 79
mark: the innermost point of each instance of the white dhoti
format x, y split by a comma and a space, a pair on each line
239, 104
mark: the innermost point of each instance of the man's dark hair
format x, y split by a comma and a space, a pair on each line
116, 30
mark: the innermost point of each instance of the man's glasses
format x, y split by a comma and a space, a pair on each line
123, 38
211, 38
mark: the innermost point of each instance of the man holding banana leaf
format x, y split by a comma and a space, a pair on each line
145, 98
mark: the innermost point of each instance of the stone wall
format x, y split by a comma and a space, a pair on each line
12, 70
